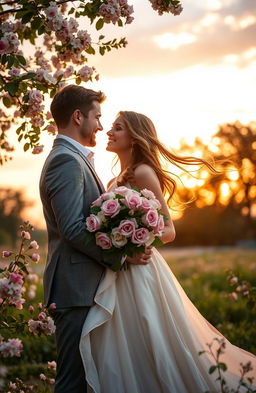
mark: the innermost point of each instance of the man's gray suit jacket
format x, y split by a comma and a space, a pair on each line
68, 186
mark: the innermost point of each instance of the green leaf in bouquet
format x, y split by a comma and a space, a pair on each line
95, 210
157, 242
89, 237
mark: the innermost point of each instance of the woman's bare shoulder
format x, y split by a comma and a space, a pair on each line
144, 170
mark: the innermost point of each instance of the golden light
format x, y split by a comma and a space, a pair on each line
225, 193
232, 174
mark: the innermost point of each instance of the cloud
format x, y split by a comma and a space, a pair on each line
174, 41
205, 34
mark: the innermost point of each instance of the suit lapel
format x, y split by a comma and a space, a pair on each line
68, 145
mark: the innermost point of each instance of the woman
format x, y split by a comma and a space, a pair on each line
143, 335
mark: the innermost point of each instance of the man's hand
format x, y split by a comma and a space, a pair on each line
141, 259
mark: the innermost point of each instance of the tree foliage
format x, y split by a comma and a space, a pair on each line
222, 208
43, 44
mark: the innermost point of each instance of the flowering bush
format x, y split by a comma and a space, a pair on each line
242, 289
61, 50
17, 287
122, 222
220, 368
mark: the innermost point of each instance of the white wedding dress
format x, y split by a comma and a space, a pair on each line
143, 335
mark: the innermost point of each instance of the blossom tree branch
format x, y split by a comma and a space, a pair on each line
26, 81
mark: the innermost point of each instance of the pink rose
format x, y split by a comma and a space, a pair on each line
145, 204
111, 207
132, 200
148, 194
107, 195
93, 223
118, 239
155, 204
103, 240
127, 227
150, 218
140, 236
160, 225
122, 190
97, 202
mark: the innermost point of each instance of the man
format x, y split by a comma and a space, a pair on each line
68, 186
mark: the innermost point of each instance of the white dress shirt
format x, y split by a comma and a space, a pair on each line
83, 149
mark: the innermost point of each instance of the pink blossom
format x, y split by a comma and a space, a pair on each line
16, 278
16, 113
52, 306
41, 316
127, 227
233, 280
233, 296
51, 381
14, 71
140, 236
52, 365
26, 235
31, 308
38, 149
35, 257
6, 254
34, 245
49, 326
85, 73
69, 71
12, 385
51, 129
11, 348
42, 377
103, 240
111, 207
93, 223
4, 45
32, 277
35, 96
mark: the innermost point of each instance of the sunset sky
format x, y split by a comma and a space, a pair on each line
188, 73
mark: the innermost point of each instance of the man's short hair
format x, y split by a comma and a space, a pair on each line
70, 98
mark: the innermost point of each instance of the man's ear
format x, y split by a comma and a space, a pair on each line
77, 117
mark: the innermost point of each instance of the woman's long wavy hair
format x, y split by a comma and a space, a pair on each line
147, 149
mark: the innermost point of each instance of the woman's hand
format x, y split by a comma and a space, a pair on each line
141, 259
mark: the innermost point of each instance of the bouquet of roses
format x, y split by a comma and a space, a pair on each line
123, 222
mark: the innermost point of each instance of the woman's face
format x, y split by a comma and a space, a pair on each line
119, 139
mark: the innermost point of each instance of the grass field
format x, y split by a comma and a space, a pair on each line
202, 274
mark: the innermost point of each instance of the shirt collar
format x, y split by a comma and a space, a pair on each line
83, 149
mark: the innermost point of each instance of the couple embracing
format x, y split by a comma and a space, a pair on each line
134, 331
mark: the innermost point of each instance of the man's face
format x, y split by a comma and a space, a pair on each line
90, 125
